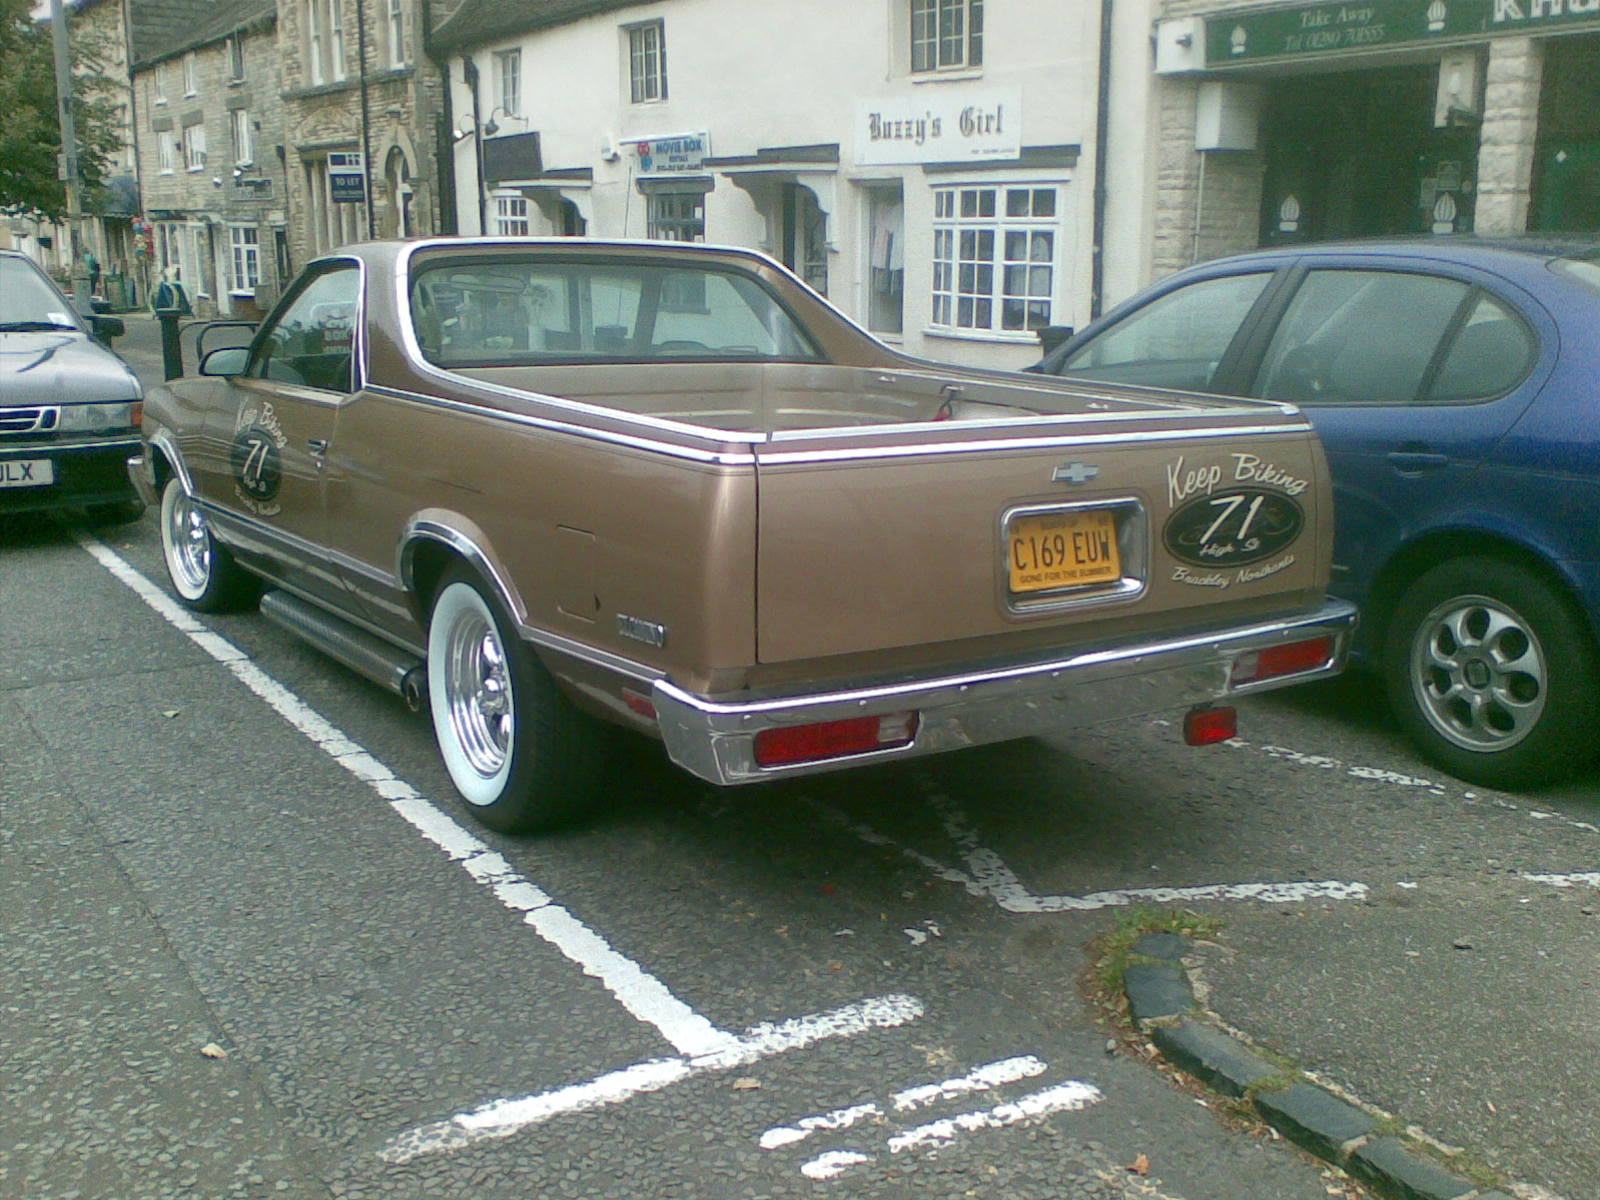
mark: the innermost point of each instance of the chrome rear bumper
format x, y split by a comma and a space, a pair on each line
715, 740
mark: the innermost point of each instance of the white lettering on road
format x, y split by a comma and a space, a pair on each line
931, 1135
700, 1044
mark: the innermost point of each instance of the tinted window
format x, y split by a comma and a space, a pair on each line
511, 312
310, 342
1177, 340
1359, 336
1489, 355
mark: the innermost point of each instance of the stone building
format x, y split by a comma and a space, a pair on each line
210, 143
363, 121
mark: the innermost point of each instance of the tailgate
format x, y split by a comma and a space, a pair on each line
886, 539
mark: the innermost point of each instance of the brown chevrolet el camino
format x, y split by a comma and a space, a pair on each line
539, 485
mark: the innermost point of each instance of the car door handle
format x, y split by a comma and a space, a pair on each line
1412, 462
317, 446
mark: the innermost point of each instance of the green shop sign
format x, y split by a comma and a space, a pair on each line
1341, 28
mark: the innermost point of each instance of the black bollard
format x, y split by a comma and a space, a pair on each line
171, 348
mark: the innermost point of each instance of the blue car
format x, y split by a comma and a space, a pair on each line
1456, 385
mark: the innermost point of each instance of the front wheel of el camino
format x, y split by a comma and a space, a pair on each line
1493, 674
203, 573
516, 749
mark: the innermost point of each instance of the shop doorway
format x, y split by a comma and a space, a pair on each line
1566, 185
1356, 154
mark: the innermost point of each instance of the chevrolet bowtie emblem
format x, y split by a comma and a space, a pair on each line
1074, 472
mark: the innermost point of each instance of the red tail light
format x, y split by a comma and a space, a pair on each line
1208, 726
834, 739
1290, 659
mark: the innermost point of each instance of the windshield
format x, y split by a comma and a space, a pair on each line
538, 309
28, 302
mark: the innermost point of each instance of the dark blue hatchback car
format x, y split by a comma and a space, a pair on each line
1456, 385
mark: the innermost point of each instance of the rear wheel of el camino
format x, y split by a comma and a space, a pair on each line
203, 573
1494, 674
518, 752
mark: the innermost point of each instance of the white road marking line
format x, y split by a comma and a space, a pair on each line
641, 994
839, 1118
1576, 879
990, 878
833, 1164
1066, 1097
982, 1079
701, 1045
501, 1118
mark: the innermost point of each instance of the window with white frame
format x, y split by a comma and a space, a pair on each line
194, 148
235, 58
395, 20
325, 40
167, 151
946, 34
190, 75
508, 72
647, 62
158, 83
677, 216
995, 257
511, 216
244, 268
244, 152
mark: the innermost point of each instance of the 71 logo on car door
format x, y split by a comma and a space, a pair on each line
256, 460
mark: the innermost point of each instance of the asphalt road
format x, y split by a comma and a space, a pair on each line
252, 945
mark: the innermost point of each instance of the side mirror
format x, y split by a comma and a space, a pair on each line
1052, 336
105, 328
227, 361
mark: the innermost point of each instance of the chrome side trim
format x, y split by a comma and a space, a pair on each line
163, 442
715, 740
718, 458
17, 450
1043, 442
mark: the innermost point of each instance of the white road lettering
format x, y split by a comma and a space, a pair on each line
990, 1075
1066, 1097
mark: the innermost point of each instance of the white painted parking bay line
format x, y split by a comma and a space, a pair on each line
700, 1044
987, 875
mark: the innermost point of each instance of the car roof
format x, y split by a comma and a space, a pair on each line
1489, 252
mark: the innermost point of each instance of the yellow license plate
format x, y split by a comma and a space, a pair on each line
1063, 550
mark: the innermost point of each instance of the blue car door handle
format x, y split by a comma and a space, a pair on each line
1412, 462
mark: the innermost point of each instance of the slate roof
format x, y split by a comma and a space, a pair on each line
476, 22
159, 29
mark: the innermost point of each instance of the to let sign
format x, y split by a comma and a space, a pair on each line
347, 178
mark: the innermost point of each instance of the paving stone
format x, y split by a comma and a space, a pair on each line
1214, 1057
1398, 1172
1157, 990
1314, 1119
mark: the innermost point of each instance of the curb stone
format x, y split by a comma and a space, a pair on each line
1162, 1001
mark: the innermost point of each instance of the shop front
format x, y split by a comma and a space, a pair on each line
1387, 117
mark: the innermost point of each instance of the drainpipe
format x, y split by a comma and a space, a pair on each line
1102, 126
469, 73
366, 115
444, 159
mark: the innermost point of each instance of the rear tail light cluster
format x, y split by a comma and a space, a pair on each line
1292, 658
793, 744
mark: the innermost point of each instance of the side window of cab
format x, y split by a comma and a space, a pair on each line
311, 341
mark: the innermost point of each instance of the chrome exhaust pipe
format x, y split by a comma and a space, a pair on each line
390, 666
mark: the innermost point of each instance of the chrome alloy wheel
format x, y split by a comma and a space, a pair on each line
1479, 673
477, 691
186, 540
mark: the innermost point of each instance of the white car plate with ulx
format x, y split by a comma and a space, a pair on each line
27, 472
